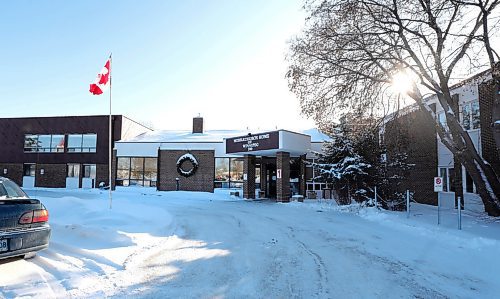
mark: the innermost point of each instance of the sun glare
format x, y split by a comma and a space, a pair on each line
402, 82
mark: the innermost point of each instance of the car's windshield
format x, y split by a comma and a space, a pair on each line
8, 189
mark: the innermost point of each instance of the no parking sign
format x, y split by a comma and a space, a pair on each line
438, 184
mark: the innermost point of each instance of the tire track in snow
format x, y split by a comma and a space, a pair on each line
320, 265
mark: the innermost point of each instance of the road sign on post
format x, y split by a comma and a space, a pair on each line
438, 184
438, 187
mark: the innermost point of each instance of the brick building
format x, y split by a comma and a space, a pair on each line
410, 133
60, 152
261, 164
474, 100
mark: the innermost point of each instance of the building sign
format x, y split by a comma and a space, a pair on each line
249, 143
438, 184
278, 173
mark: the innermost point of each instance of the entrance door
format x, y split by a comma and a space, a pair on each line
29, 170
73, 176
271, 181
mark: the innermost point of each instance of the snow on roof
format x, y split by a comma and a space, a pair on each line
210, 135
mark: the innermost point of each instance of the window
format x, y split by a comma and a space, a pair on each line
315, 186
140, 171
476, 121
136, 169
150, 170
89, 171
78, 143
30, 143
221, 172
471, 116
123, 171
236, 173
443, 172
73, 170
74, 143
442, 119
89, 143
10, 189
229, 173
44, 143
469, 184
57, 144
29, 169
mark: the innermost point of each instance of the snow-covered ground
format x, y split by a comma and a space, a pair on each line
186, 244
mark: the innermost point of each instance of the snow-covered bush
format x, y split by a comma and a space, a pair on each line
344, 168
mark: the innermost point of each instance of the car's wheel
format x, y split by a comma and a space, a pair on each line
30, 255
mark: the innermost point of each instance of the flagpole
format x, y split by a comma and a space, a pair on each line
110, 133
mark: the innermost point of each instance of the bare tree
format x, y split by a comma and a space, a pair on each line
351, 50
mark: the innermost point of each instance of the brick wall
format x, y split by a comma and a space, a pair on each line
201, 180
283, 183
101, 174
302, 179
14, 172
249, 170
490, 151
54, 175
414, 134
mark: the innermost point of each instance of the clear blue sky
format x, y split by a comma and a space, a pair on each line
171, 60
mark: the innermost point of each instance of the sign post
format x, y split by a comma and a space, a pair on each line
407, 203
438, 187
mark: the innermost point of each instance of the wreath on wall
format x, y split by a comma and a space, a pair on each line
185, 158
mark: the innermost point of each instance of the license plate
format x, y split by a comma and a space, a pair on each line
4, 245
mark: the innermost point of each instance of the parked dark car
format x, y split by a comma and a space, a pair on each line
24, 227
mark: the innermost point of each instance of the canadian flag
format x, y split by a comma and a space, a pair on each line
102, 81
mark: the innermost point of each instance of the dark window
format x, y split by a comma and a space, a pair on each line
29, 169
469, 184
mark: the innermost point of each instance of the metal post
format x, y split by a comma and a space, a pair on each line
376, 196
459, 206
439, 204
110, 137
407, 203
